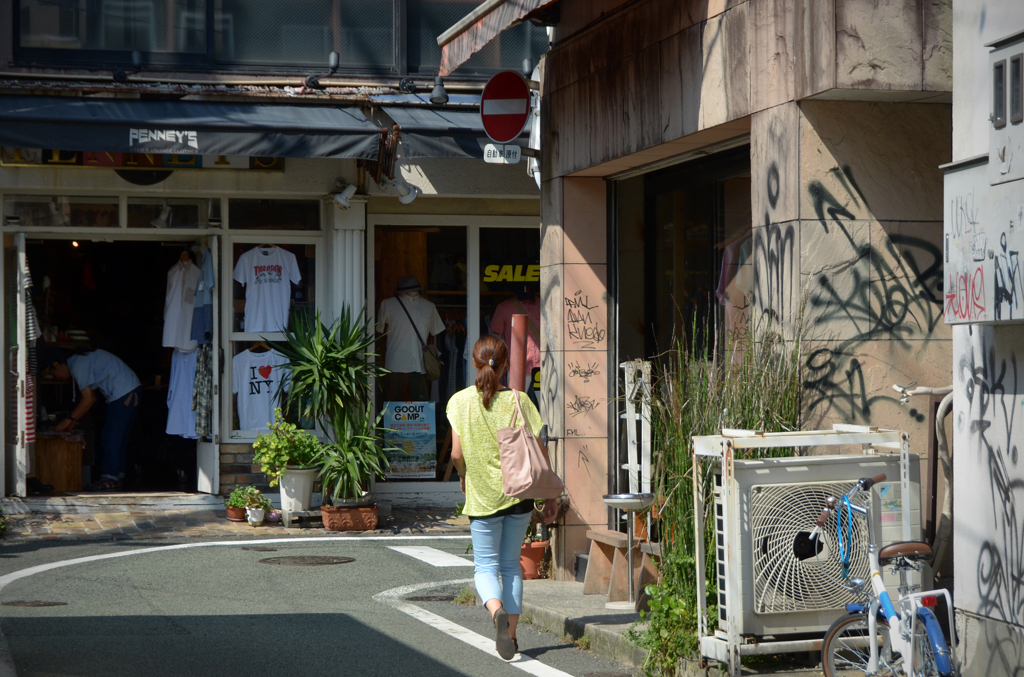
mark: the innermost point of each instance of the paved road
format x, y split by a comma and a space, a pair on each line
218, 610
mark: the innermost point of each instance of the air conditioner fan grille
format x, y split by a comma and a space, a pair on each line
781, 515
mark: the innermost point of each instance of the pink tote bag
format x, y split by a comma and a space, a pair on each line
525, 470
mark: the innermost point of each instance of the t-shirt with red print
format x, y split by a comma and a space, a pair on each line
267, 274
256, 380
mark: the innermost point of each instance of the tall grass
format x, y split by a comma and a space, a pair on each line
751, 383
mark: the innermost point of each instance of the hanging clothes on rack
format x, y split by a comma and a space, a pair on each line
202, 391
181, 420
202, 313
179, 303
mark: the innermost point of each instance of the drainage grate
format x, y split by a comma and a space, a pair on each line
34, 603
432, 598
260, 548
306, 561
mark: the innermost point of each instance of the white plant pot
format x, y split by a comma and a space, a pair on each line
297, 489
255, 515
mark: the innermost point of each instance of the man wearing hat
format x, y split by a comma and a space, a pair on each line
410, 321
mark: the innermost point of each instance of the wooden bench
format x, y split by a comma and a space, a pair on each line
608, 564
648, 573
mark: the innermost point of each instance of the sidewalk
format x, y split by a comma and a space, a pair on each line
169, 515
562, 609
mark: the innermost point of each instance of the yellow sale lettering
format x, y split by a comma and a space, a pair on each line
512, 273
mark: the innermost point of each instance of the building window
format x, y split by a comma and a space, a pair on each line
44, 211
273, 32
274, 215
1017, 89
114, 25
999, 94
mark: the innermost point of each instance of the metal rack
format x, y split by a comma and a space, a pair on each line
729, 647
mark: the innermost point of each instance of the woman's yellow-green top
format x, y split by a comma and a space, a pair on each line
478, 429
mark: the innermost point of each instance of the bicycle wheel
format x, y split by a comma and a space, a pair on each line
846, 649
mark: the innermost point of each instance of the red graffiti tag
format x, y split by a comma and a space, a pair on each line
965, 295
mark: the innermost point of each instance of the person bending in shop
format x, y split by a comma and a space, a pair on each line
120, 387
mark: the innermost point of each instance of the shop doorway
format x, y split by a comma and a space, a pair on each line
110, 296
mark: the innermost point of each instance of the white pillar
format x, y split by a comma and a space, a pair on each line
347, 275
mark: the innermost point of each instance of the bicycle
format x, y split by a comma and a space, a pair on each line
881, 637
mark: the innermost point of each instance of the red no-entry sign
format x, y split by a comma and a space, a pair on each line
505, 106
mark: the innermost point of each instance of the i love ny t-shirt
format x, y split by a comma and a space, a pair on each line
267, 274
255, 382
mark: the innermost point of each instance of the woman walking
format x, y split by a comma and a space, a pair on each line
498, 522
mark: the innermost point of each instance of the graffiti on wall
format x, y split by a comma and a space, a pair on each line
889, 289
983, 238
990, 489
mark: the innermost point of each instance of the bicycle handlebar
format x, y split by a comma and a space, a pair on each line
830, 504
868, 482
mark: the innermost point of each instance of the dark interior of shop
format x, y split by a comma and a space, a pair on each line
114, 292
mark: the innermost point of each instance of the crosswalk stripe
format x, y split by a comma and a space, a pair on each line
432, 556
523, 662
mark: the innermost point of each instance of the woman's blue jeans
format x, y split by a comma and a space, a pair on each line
497, 542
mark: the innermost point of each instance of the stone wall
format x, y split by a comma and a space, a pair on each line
237, 467
847, 204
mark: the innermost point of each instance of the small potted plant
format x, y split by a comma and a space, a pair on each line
532, 553
235, 504
256, 504
288, 455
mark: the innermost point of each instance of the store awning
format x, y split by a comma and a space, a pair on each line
432, 132
186, 127
479, 27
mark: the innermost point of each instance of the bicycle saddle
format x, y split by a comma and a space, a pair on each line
911, 550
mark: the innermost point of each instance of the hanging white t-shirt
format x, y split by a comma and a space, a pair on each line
404, 350
181, 420
179, 303
256, 380
267, 274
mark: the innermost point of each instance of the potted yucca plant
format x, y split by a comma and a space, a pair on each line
329, 382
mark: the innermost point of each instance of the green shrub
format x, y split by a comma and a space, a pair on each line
247, 496
699, 389
284, 445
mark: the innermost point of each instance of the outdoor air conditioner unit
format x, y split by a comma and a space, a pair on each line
785, 586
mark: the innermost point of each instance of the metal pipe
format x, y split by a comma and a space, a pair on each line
945, 526
517, 354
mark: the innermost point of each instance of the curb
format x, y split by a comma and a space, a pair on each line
603, 642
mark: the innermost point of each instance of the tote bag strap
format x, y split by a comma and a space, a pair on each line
519, 411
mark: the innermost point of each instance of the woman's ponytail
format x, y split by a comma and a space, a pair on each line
490, 355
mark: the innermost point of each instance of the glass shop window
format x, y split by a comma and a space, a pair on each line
272, 283
510, 285
44, 211
114, 25
275, 214
174, 213
434, 260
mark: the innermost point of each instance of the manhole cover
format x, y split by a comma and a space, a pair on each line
432, 598
306, 561
34, 603
260, 548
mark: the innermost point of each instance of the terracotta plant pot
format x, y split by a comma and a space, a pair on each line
236, 514
350, 518
530, 557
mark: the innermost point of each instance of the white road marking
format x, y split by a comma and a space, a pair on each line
432, 556
394, 599
7, 668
